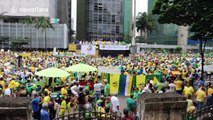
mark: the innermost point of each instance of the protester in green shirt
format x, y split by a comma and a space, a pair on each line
106, 88
136, 94
131, 104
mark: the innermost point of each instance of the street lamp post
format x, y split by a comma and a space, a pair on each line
134, 27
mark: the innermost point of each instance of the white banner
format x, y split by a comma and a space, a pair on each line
113, 47
112, 69
88, 49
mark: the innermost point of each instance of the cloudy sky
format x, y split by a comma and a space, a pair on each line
141, 6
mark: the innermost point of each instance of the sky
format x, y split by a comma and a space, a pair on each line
141, 6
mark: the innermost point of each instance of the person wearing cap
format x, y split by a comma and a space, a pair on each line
63, 106
44, 112
106, 88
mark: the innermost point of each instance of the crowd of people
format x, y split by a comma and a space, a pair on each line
17, 72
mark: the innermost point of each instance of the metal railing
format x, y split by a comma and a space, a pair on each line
204, 114
90, 116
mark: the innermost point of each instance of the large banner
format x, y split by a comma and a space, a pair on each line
72, 47
88, 49
111, 70
113, 47
114, 83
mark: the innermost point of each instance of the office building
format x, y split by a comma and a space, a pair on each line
103, 19
167, 33
58, 11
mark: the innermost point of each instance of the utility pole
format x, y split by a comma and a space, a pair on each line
134, 26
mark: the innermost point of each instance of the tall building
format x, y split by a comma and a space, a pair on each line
103, 19
52, 9
167, 33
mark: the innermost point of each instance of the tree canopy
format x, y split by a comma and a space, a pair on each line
145, 23
198, 14
43, 23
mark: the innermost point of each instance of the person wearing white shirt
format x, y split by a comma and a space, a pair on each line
74, 90
172, 87
115, 103
97, 89
7, 92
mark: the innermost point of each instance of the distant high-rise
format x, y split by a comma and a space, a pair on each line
166, 34
103, 19
58, 11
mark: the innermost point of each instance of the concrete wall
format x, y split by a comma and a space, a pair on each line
29, 8
183, 36
168, 106
15, 108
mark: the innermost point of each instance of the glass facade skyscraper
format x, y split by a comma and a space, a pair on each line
104, 19
166, 34
56, 37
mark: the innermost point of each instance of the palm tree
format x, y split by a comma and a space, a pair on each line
28, 20
145, 23
44, 24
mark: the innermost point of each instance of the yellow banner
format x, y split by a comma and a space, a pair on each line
155, 80
140, 80
114, 83
72, 47
25, 54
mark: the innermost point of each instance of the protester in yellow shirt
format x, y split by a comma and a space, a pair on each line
190, 105
2, 84
64, 90
200, 98
210, 90
178, 84
188, 90
46, 98
63, 107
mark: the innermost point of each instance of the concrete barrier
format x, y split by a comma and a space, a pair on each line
168, 106
15, 108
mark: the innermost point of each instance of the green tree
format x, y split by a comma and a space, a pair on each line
43, 23
139, 39
18, 43
145, 23
72, 33
127, 39
198, 14
28, 20
3, 40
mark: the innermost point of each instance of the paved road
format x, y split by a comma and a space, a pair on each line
122, 100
